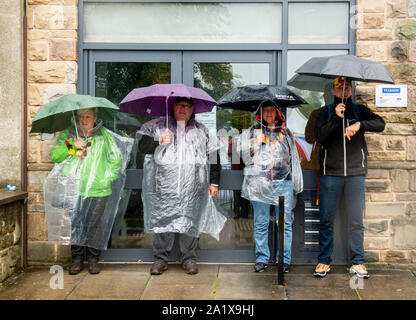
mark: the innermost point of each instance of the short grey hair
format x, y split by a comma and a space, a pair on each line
94, 111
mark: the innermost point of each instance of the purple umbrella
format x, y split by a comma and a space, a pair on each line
158, 99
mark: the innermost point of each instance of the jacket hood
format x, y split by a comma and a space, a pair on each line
280, 120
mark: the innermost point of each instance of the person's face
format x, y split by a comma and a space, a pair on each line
86, 120
269, 114
338, 91
182, 111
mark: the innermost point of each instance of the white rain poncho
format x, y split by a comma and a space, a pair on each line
82, 192
267, 166
176, 179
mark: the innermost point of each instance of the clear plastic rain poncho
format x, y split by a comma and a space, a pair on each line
268, 165
176, 179
82, 192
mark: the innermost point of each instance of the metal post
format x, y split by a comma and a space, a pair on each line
273, 220
280, 240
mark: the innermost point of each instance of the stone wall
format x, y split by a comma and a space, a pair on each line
52, 72
10, 235
11, 93
387, 33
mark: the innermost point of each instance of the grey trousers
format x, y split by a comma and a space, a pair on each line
163, 244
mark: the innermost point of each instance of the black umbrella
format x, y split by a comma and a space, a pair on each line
249, 98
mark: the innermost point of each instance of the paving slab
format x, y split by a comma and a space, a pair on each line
34, 284
175, 284
388, 285
113, 282
241, 282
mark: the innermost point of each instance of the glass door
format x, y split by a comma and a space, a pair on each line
217, 73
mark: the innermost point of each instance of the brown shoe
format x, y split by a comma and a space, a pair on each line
76, 267
158, 268
190, 267
94, 268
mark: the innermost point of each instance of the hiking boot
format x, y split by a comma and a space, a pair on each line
94, 268
321, 270
260, 266
76, 267
190, 267
360, 270
158, 268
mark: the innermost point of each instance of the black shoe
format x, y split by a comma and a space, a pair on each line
286, 268
260, 266
158, 268
94, 268
190, 267
76, 267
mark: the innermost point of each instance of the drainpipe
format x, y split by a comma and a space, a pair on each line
25, 132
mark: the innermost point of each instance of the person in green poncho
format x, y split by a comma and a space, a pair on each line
93, 158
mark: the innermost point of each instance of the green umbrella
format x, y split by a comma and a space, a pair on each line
56, 115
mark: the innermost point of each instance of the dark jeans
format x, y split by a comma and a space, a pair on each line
331, 190
163, 244
79, 253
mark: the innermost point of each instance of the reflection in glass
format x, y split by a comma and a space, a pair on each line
318, 23
217, 79
114, 80
183, 22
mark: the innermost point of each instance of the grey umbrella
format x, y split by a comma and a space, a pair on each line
347, 65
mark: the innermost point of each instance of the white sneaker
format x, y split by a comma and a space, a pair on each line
360, 270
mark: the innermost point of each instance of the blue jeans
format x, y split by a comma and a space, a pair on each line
261, 224
331, 190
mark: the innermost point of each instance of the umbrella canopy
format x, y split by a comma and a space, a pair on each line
158, 99
249, 97
310, 83
357, 69
56, 115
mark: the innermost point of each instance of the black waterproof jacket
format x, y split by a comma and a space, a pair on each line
340, 156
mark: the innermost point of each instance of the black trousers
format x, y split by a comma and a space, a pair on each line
80, 253
163, 244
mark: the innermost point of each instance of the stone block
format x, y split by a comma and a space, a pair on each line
412, 8
377, 185
6, 241
37, 227
376, 142
64, 34
387, 155
406, 29
381, 52
372, 256
412, 51
411, 209
71, 70
374, 35
38, 1
364, 49
384, 210
376, 228
400, 129
411, 98
413, 257
411, 148
374, 243
396, 8
393, 256
412, 180
38, 51
398, 117
396, 143
378, 174
405, 236
40, 252
35, 94
38, 34
63, 50
56, 17
371, 6
373, 21
382, 197
400, 180
400, 50
33, 151
45, 151
403, 73
405, 197
46, 71
55, 91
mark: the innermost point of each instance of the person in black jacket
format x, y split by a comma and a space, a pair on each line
340, 129
183, 211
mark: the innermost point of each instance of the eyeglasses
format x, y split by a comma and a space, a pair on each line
184, 105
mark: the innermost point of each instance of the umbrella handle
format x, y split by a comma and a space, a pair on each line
167, 113
75, 123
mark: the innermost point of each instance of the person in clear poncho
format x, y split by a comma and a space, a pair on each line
272, 170
177, 183
93, 160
